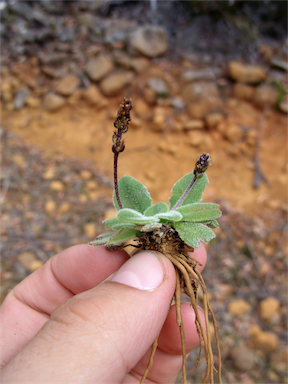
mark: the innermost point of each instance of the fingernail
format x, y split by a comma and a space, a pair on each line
143, 271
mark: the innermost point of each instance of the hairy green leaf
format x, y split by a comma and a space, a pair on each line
102, 239
156, 208
195, 194
115, 224
131, 216
170, 216
192, 233
123, 235
133, 194
212, 224
199, 212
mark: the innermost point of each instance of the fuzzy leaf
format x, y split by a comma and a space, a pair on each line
150, 227
156, 208
170, 216
102, 239
192, 233
195, 194
123, 235
133, 194
131, 216
212, 224
115, 224
199, 212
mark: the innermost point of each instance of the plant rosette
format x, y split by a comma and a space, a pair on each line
172, 230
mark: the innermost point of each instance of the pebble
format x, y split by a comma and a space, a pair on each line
150, 96
284, 105
149, 40
121, 58
68, 85
243, 358
97, 68
268, 308
239, 307
177, 103
213, 119
50, 206
21, 98
29, 261
232, 132
201, 74
91, 185
85, 174
265, 95
243, 91
92, 95
193, 124
158, 85
251, 137
139, 64
53, 102
53, 72
90, 230
114, 83
279, 360
245, 73
57, 186
159, 118
65, 207
266, 341
33, 102
49, 172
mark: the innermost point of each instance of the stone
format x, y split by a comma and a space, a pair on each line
57, 186
266, 341
65, 207
121, 58
33, 102
21, 98
213, 119
268, 308
279, 360
50, 206
85, 174
29, 261
139, 64
193, 124
251, 137
49, 173
232, 132
150, 96
196, 138
201, 74
114, 83
243, 91
177, 102
97, 68
90, 230
92, 95
149, 40
283, 106
245, 73
265, 95
202, 98
243, 358
53, 72
34, 265
141, 108
53, 102
53, 58
68, 85
159, 118
159, 86
75, 98
91, 185
6, 91
239, 307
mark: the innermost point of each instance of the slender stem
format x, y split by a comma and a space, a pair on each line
116, 155
180, 201
150, 363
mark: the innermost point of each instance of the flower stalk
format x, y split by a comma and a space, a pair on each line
121, 126
201, 166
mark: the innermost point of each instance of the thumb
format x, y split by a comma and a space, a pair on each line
100, 335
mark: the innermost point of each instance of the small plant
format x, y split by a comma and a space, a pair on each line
173, 231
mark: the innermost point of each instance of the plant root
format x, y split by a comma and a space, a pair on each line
188, 279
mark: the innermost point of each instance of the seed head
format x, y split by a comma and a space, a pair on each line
121, 125
201, 165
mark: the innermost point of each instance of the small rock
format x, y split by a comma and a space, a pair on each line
28, 260
90, 230
200, 74
19, 160
49, 172
265, 95
177, 103
213, 119
33, 102
249, 74
232, 132
159, 86
196, 138
251, 137
266, 341
92, 95
136, 122
280, 63
21, 98
57, 186
139, 64
110, 213
243, 91
83, 198
272, 376
243, 358
68, 85
150, 96
53, 72
50, 206
284, 105
85, 174
279, 360
239, 307
114, 83
65, 207
121, 58
193, 124
150, 40
52, 102
53, 58
141, 108
91, 185
6, 91
98, 67
75, 98
268, 308
159, 118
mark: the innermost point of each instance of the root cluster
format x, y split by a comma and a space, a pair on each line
188, 279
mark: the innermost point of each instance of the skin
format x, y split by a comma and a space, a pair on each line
78, 320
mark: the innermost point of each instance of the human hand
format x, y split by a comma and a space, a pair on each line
78, 320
